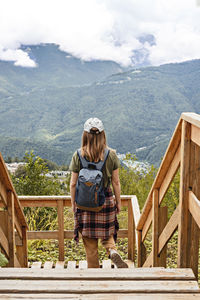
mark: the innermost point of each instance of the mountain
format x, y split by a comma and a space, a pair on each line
139, 107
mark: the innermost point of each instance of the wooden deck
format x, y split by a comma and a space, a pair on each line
104, 283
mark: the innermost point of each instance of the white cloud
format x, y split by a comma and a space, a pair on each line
101, 29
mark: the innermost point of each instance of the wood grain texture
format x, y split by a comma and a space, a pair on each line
195, 135
97, 286
155, 235
104, 296
169, 230
183, 199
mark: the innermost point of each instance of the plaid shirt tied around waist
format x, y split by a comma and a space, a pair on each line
100, 224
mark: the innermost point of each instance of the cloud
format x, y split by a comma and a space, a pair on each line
102, 29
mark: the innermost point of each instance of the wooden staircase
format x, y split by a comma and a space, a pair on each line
79, 283
151, 280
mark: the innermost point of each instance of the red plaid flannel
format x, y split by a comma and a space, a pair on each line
100, 224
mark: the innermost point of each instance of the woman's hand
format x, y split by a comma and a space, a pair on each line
74, 207
118, 205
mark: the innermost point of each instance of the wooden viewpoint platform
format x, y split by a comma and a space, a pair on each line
104, 283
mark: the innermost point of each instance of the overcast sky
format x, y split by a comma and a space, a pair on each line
102, 29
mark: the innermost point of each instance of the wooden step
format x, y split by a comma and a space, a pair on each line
102, 283
107, 296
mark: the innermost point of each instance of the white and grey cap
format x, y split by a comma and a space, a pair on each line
93, 123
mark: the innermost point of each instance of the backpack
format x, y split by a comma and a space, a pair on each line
90, 186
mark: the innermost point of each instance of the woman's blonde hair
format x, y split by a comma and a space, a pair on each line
93, 145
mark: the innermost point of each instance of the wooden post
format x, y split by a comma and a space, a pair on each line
131, 232
141, 251
184, 224
155, 235
193, 242
162, 221
22, 251
11, 228
61, 229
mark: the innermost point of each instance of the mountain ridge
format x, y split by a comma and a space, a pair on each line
139, 108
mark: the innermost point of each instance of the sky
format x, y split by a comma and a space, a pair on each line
102, 29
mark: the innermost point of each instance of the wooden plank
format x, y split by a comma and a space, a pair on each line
5, 178
97, 286
103, 274
36, 235
175, 164
51, 201
162, 221
60, 209
11, 228
166, 162
192, 118
195, 135
194, 207
22, 250
194, 233
169, 230
18, 226
3, 194
82, 264
36, 265
131, 232
147, 225
4, 242
149, 261
4, 222
136, 214
60, 265
136, 209
141, 250
48, 265
183, 202
106, 264
155, 228
71, 265
68, 234
104, 296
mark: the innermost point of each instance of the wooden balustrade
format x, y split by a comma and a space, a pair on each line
60, 202
13, 226
182, 153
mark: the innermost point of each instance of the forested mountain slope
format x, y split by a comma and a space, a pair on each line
139, 107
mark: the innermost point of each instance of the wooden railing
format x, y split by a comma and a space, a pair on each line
182, 153
12, 222
60, 202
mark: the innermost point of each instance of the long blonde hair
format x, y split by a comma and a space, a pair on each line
93, 145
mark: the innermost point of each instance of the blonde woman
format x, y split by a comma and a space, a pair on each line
101, 225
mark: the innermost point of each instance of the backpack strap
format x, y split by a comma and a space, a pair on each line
83, 161
99, 166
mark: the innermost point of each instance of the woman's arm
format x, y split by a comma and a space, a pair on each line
117, 189
73, 181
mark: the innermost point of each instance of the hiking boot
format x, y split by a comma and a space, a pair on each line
117, 260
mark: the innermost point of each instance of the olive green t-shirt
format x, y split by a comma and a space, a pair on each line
112, 163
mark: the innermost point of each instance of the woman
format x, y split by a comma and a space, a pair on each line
103, 224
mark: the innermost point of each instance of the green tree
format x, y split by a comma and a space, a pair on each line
32, 180
136, 181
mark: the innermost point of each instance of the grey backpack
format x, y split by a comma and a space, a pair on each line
90, 187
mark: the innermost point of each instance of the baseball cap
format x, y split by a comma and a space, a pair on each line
93, 123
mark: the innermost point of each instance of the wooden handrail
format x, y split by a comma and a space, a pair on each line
65, 201
12, 220
183, 152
